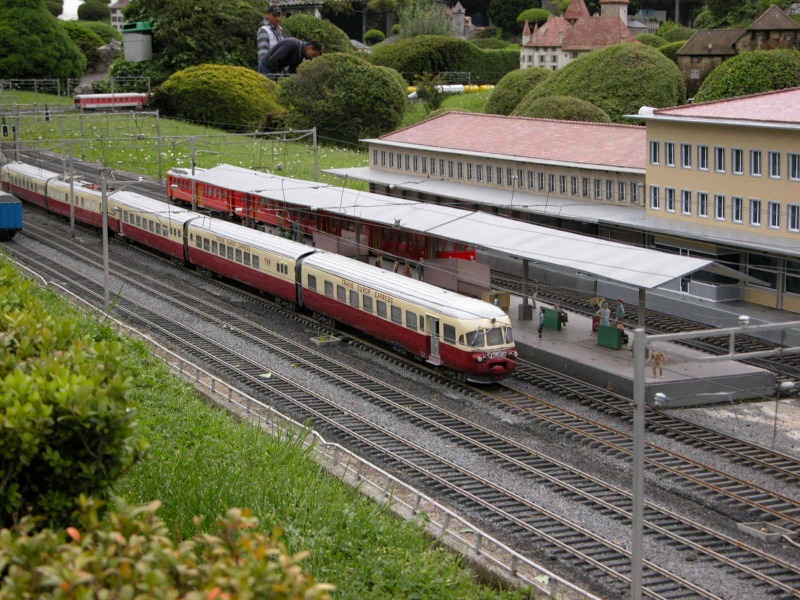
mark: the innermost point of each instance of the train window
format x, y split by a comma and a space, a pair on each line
422, 323
449, 334
256, 262
509, 337
341, 293
198, 242
138, 221
222, 250
476, 339
312, 282
238, 255
411, 320
494, 336
158, 228
230, 253
397, 315
381, 308
367, 303
125, 216
213, 247
353, 298
151, 226
206, 244
329, 289
246, 259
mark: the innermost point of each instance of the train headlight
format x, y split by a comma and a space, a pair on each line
513, 354
480, 358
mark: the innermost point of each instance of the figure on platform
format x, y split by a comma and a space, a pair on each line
619, 314
563, 317
659, 360
407, 270
396, 268
379, 261
421, 268
622, 333
605, 314
541, 321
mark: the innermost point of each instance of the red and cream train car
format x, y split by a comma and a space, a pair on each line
110, 101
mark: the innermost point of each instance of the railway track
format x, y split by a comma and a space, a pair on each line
493, 503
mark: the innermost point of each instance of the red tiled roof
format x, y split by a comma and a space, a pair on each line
576, 10
550, 34
619, 146
597, 32
780, 106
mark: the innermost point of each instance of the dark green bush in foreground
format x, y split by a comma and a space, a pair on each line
752, 73
513, 87
66, 424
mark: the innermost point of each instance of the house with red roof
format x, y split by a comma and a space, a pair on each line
562, 39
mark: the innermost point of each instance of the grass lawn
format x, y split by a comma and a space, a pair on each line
202, 461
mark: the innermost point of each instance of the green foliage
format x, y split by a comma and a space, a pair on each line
94, 10
374, 36
752, 73
504, 14
395, 28
678, 34
154, 69
308, 27
86, 39
513, 87
671, 50
423, 17
564, 108
344, 96
486, 33
33, 45
491, 43
428, 91
652, 40
619, 79
665, 27
105, 30
55, 7
534, 16
131, 553
66, 424
186, 34
437, 54
232, 98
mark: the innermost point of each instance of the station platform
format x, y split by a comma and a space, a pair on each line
574, 351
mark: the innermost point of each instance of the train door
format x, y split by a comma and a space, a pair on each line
433, 350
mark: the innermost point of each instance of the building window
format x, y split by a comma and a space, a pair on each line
585, 187
479, 172
634, 193
702, 158
621, 191
755, 163
551, 183
489, 172
669, 153
541, 182
794, 167
655, 201
737, 161
655, 152
775, 165
719, 207
702, 204
562, 184
461, 170
499, 175
669, 199
510, 177
764, 268
574, 185
433, 166
391, 160
374, 157
407, 161
609, 189
531, 180
793, 217
469, 171
450, 169
441, 166
686, 202
424, 164
755, 213
520, 179
719, 159
774, 211
383, 158
686, 156
737, 209
598, 189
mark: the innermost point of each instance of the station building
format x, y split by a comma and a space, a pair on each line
718, 180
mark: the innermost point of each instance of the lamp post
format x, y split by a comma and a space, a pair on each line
514, 180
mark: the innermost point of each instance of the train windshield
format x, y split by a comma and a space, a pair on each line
489, 337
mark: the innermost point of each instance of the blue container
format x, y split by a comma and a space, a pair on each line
10, 216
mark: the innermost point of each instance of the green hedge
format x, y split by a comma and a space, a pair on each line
652, 40
563, 108
513, 87
308, 27
66, 425
752, 73
374, 36
671, 50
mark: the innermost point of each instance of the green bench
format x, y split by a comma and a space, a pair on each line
551, 319
609, 336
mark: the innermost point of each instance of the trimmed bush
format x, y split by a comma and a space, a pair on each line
513, 87
94, 10
752, 73
671, 50
344, 96
308, 27
374, 36
534, 16
106, 31
678, 34
395, 28
232, 98
563, 108
491, 43
131, 554
619, 79
652, 40
34, 45
66, 425
85, 39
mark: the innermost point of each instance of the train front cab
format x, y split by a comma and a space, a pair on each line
484, 350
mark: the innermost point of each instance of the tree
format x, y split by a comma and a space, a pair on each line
186, 34
619, 79
563, 108
752, 73
513, 87
504, 14
34, 45
308, 27
423, 17
374, 36
534, 16
94, 10
344, 97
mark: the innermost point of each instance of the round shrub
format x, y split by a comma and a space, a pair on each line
534, 16
374, 36
671, 50
395, 28
344, 96
513, 87
563, 108
232, 98
104, 30
651, 39
619, 79
85, 39
490, 43
308, 27
94, 10
752, 73
678, 34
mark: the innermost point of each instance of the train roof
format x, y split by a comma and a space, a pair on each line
254, 238
153, 207
110, 95
429, 296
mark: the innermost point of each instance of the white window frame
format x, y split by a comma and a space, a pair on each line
655, 199
737, 209
774, 215
574, 185
793, 217
598, 189
756, 163
655, 152
621, 187
686, 202
793, 169
737, 161
719, 207
669, 154
756, 207
686, 156
702, 205
669, 199
774, 159
702, 157
719, 159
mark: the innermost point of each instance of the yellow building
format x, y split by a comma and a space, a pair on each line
727, 174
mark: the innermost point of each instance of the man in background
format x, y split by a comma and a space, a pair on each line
289, 53
269, 34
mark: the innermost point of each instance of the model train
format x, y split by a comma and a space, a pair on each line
10, 216
110, 101
469, 338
